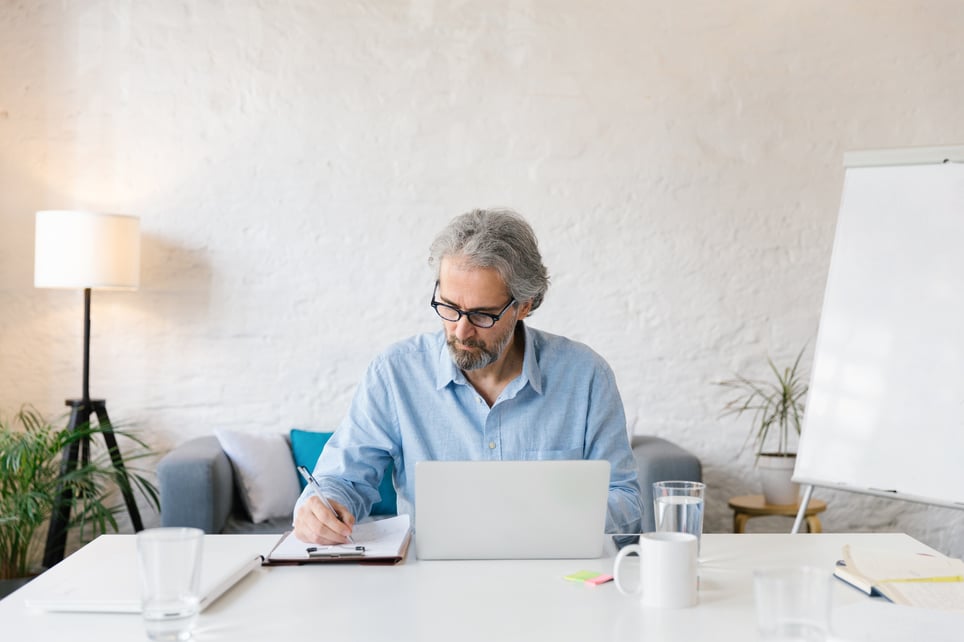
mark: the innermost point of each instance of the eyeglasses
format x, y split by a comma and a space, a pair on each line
478, 319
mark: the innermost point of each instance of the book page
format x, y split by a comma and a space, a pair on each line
381, 538
941, 596
914, 579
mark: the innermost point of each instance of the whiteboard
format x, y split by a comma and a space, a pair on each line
885, 410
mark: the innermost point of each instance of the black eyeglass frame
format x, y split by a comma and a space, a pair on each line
493, 318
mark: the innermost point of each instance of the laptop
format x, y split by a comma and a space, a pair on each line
104, 575
510, 509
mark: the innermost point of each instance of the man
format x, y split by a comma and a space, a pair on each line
487, 387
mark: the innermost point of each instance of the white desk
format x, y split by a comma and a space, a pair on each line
486, 600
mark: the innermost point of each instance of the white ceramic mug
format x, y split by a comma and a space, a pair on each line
667, 569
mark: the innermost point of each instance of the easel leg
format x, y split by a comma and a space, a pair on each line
802, 511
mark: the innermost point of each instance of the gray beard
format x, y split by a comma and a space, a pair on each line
476, 360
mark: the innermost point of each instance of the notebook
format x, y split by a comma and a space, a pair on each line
103, 576
912, 579
510, 509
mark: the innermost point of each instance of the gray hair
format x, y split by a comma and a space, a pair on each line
500, 239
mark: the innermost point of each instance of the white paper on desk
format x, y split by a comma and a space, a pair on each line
875, 620
381, 538
104, 578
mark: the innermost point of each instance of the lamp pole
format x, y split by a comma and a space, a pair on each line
77, 453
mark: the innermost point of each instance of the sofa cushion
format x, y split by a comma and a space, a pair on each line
306, 446
264, 472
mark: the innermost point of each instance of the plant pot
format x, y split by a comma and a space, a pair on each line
776, 469
8, 586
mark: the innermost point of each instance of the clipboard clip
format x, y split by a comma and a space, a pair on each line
341, 550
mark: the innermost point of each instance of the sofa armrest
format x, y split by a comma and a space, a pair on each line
658, 459
196, 485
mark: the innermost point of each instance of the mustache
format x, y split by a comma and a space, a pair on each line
468, 343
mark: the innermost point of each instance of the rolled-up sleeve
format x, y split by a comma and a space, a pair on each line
606, 438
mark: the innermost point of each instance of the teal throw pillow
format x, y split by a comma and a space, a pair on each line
306, 447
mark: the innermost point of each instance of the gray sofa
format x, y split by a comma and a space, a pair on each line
197, 484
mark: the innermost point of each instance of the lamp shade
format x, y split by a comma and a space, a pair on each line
87, 250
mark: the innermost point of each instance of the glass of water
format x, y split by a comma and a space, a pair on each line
678, 507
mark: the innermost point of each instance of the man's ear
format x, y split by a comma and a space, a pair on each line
524, 310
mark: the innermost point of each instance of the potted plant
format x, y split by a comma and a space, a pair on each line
777, 405
30, 479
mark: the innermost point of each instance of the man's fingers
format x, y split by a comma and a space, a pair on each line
316, 524
344, 515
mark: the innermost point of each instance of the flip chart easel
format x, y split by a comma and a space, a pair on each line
885, 410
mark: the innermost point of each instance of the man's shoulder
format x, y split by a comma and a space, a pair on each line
551, 348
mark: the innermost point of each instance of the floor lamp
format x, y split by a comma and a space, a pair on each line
85, 250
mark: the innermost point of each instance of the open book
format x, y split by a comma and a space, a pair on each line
913, 579
382, 541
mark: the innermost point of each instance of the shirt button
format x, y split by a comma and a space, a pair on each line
491, 445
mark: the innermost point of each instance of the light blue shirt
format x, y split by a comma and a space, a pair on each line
414, 404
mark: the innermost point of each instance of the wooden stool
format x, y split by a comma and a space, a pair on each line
747, 506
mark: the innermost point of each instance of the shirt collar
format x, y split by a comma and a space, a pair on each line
447, 372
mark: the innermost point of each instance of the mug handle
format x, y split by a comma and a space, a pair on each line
623, 552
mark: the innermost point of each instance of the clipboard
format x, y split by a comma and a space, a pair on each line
382, 542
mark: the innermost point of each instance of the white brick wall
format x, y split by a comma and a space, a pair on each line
291, 161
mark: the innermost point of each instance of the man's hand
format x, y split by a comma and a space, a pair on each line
316, 524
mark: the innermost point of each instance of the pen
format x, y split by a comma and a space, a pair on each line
324, 500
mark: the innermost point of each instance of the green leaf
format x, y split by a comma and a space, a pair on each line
776, 404
31, 482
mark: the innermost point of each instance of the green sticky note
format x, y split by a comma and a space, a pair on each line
581, 576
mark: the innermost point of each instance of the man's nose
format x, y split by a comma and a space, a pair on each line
464, 329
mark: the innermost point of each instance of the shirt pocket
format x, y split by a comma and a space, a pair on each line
549, 455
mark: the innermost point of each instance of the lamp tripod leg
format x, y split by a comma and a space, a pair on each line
115, 456
77, 454
60, 517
